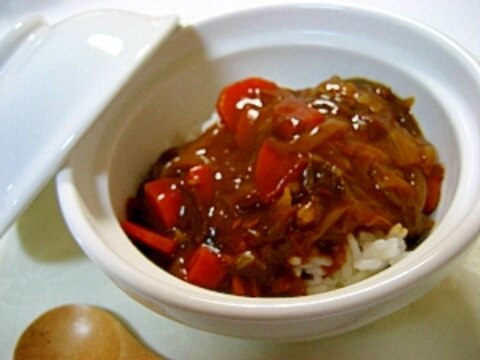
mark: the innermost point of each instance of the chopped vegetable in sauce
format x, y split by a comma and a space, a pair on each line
285, 174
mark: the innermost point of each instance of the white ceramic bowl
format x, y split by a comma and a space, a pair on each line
296, 46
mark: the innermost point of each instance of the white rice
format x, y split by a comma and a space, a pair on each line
366, 255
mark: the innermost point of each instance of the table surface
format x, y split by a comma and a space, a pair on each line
42, 267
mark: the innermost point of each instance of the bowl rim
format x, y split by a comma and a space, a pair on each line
192, 298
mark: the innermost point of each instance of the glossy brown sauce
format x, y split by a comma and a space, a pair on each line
290, 173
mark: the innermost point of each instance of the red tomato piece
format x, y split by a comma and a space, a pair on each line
229, 104
281, 285
274, 169
201, 179
147, 237
238, 286
206, 268
294, 116
165, 198
244, 130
